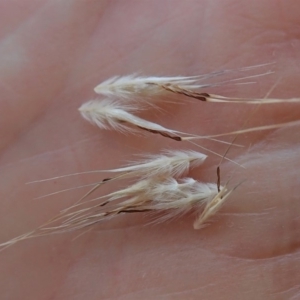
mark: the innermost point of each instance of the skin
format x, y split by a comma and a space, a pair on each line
52, 55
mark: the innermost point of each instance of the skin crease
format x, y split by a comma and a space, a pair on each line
52, 55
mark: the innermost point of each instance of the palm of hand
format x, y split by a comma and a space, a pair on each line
52, 55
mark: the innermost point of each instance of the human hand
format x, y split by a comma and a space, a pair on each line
52, 55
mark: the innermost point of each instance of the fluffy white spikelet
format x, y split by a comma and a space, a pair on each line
158, 189
171, 196
142, 87
170, 162
173, 163
110, 114
167, 195
147, 88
